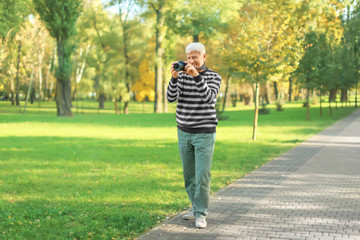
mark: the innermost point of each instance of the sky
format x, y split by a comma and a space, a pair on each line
115, 9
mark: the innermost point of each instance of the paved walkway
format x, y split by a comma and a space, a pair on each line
310, 192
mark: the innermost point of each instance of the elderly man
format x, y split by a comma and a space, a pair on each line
195, 88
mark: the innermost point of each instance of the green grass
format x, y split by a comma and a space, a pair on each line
107, 176
80, 106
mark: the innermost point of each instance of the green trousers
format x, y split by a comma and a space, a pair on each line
196, 152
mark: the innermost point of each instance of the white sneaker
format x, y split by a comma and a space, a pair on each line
189, 216
201, 222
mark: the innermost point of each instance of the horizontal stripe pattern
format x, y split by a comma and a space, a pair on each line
196, 99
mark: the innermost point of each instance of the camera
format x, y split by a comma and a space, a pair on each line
180, 66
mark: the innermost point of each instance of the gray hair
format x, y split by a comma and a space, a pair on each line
195, 47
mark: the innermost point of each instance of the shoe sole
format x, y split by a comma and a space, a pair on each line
201, 227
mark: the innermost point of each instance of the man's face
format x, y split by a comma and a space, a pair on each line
196, 59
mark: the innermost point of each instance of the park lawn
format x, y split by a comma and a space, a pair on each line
80, 106
107, 176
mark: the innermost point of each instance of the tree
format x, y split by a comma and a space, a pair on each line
96, 30
319, 67
201, 19
123, 17
257, 42
60, 18
159, 8
3, 45
144, 85
351, 46
129, 23
84, 51
12, 16
310, 65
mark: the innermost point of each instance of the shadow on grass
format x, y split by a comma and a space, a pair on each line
52, 219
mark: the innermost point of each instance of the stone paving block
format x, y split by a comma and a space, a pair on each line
226, 238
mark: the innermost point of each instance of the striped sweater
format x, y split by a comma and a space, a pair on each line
195, 111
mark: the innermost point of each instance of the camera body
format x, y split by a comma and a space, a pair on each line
180, 66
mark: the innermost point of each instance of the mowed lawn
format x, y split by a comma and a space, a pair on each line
107, 176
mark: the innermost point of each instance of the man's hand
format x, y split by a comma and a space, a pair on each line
191, 70
172, 70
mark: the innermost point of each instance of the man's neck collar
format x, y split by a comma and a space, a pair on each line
201, 72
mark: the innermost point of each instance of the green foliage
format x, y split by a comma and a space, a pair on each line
262, 39
351, 48
59, 16
60, 19
12, 15
105, 66
330, 63
200, 19
310, 64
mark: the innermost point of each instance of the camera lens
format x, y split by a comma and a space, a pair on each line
179, 66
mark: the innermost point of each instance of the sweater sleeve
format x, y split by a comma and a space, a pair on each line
172, 92
208, 90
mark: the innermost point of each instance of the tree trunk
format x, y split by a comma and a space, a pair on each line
126, 107
32, 95
158, 60
164, 95
330, 109
126, 103
356, 94
75, 90
79, 71
290, 89
76, 73
344, 95
12, 87
17, 76
320, 107
116, 107
276, 90
308, 104
29, 89
125, 27
63, 83
256, 112
127, 61
332, 95
41, 53
46, 95
196, 37
297, 93
228, 81
51, 89
52, 79
63, 98
102, 100
12, 94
